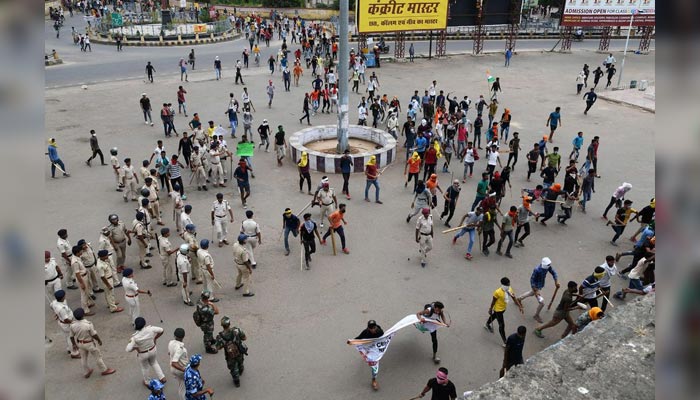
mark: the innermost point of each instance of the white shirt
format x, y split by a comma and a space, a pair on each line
62, 311
493, 158
128, 171
183, 263
130, 286
362, 112
144, 339
469, 155
50, 270
431, 90
157, 151
64, 246
221, 209
609, 272
250, 227
331, 78
245, 97
425, 225
178, 353
185, 219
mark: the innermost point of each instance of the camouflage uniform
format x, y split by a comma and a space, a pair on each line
207, 326
229, 339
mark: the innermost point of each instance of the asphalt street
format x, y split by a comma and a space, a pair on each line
298, 321
104, 63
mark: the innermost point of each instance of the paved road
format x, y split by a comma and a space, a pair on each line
298, 321
105, 64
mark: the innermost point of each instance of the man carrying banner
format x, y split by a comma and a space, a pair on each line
373, 331
434, 311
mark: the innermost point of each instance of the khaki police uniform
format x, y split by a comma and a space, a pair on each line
130, 183
139, 229
217, 171
184, 267
327, 203
240, 256
131, 295
105, 243
86, 290
143, 342
119, 238
221, 218
177, 210
153, 203
178, 354
200, 177
191, 239
425, 238
251, 229
118, 172
165, 258
185, 219
205, 259
64, 317
89, 259
105, 272
82, 332
64, 247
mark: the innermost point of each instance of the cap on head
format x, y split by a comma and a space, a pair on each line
164, 231
127, 272
113, 217
145, 192
184, 248
195, 359
219, 195
155, 384
190, 227
139, 323
225, 322
242, 238
78, 313
179, 333
371, 323
204, 243
546, 262
188, 208
425, 211
206, 294
59, 294
103, 253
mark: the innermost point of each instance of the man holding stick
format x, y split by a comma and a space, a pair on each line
566, 304
469, 223
335, 220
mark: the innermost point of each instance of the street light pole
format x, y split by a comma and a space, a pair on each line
624, 55
342, 67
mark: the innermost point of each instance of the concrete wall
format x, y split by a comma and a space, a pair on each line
330, 163
611, 359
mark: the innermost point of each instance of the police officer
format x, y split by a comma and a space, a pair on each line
52, 274
245, 268
89, 259
166, 251
143, 341
177, 354
64, 247
424, 234
153, 203
145, 208
190, 237
138, 227
206, 264
206, 311
251, 229
219, 210
326, 200
231, 340
83, 337
120, 238
105, 270
131, 293
81, 274
105, 243
197, 166
178, 205
182, 262
116, 168
194, 384
130, 179
185, 218
64, 317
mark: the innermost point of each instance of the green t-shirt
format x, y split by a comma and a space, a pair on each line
553, 159
482, 187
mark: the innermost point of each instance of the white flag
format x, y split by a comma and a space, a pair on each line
372, 350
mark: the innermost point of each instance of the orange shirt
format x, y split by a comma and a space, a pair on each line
336, 219
297, 70
413, 165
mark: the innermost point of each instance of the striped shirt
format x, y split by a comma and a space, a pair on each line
174, 170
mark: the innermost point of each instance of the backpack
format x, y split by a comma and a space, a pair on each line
197, 316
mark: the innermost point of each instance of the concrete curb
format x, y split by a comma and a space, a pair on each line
618, 101
226, 37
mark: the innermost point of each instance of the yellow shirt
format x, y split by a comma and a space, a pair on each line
500, 296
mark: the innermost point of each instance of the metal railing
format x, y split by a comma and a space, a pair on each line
148, 25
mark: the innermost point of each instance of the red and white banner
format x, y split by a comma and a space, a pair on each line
609, 12
372, 350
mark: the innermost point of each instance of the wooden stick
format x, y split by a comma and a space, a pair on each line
454, 229
305, 207
333, 239
556, 289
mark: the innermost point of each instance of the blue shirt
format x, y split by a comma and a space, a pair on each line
193, 384
412, 113
291, 222
578, 142
554, 118
646, 233
539, 274
543, 146
345, 165
53, 154
421, 144
156, 396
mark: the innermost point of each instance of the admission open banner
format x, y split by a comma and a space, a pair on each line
608, 12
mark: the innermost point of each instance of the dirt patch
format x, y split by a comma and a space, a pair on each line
356, 146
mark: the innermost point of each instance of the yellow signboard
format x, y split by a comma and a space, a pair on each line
200, 28
401, 15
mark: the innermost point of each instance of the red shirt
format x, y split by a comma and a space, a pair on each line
431, 156
371, 172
